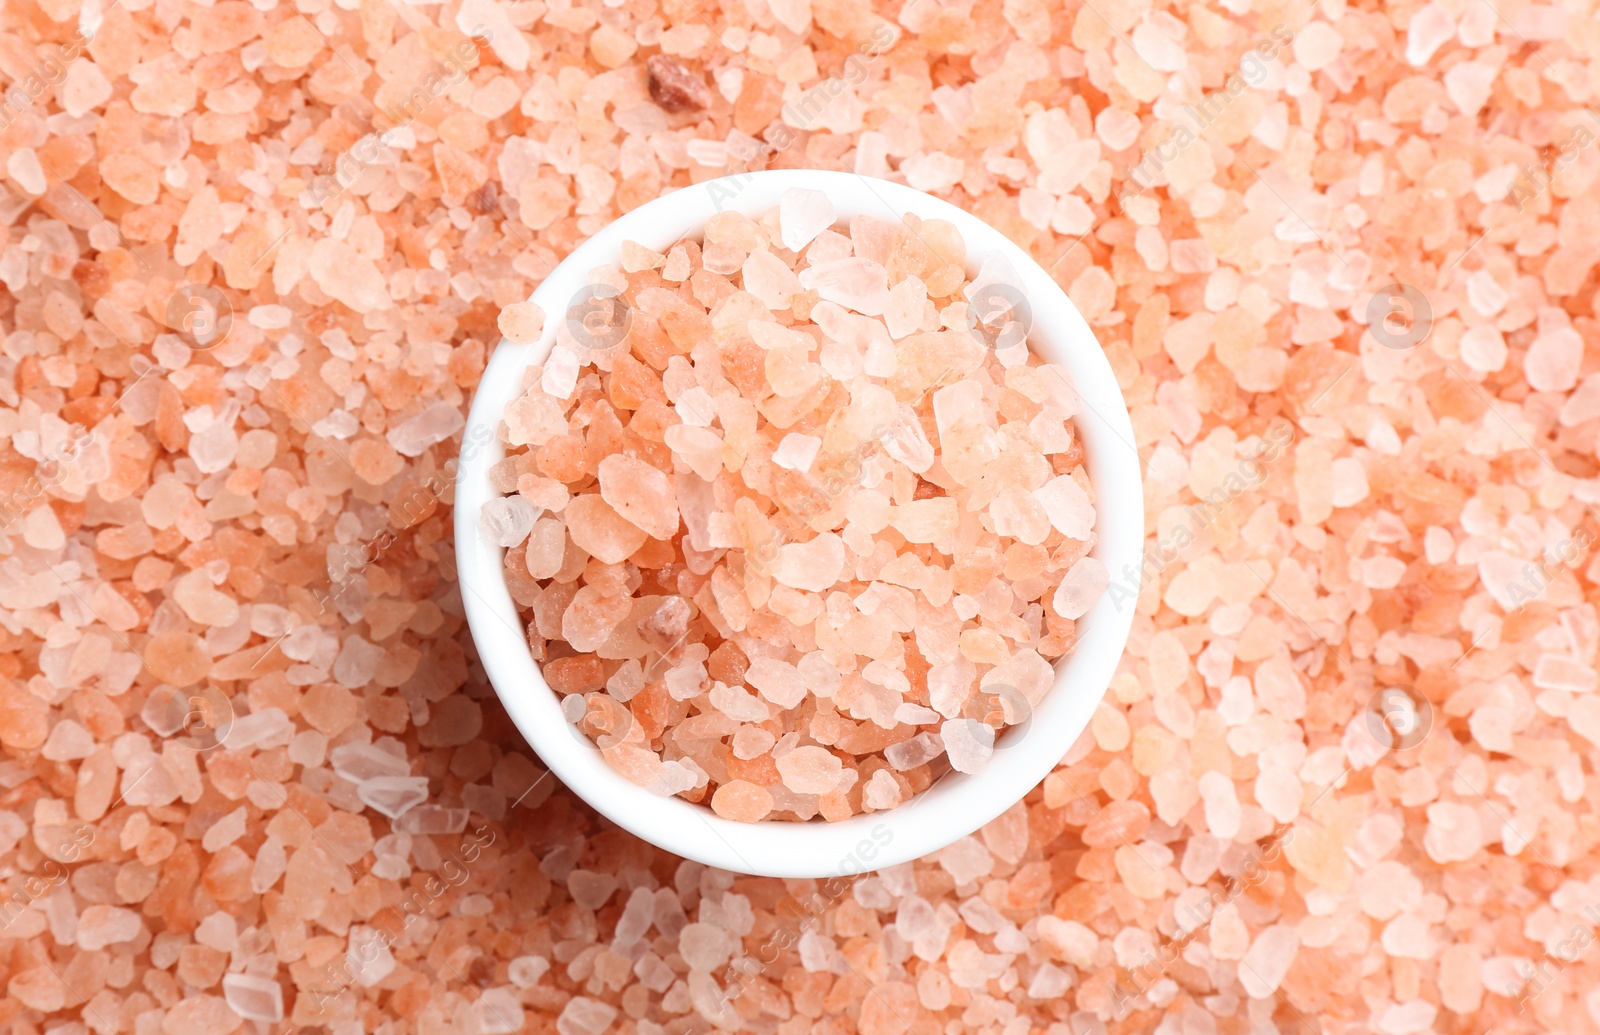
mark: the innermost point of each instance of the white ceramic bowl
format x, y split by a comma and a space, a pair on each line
956, 805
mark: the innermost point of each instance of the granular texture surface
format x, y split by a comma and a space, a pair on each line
1342, 258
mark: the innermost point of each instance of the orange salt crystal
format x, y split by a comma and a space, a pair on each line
741, 801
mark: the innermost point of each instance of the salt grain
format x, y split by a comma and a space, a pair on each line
378, 309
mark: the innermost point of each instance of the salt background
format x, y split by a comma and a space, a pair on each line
219, 525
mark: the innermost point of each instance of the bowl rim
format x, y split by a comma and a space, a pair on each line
816, 849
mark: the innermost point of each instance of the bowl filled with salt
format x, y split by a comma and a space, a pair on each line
786, 538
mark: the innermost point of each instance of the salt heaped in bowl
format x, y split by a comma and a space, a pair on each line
796, 518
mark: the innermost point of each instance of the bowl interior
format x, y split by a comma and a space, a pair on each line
956, 805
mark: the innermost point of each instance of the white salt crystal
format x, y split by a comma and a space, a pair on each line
256, 728
1222, 804
253, 998
432, 819
225, 831
956, 404
100, 926
369, 956
271, 860
626, 681
778, 681
695, 408
752, 742
393, 795
560, 374
1430, 29
857, 284
686, 680
820, 674
507, 520
218, 931
797, 452
913, 714
498, 1012
949, 686
1067, 505
634, 923
525, 971
1411, 1018
907, 443
679, 775
357, 662
1553, 360
704, 946
433, 425
802, 215
1483, 348
811, 770
813, 566
771, 280
590, 889
358, 762
881, 792
1049, 982
968, 743
739, 704
1268, 960
69, 740
1083, 584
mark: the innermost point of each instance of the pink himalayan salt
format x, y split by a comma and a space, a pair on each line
1551, 244
814, 565
778, 681
1084, 583
585, 1016
640, 494
253, 998
522, 322
1264, 965
803, 214
599, 530
1431, 28
741, 801
200, 1015
100, 926
968, 743
810, 770
774, 521
860, 285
